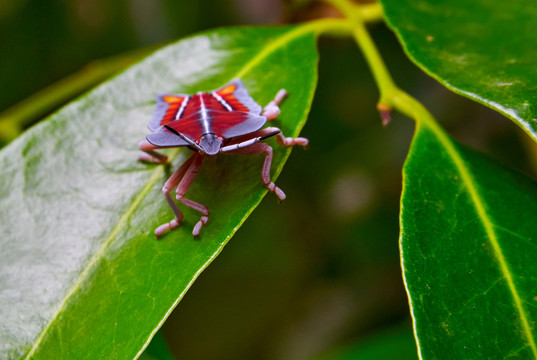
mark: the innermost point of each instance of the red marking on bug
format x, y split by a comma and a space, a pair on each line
174, 102
189, 126
227, 120
227, 93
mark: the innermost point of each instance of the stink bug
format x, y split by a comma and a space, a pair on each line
226, 120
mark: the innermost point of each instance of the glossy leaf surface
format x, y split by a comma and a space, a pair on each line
468, 245
482, 49
82, 275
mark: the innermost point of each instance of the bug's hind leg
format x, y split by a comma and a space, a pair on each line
183, 187
169, 185
150, 154
260, 148
272, 110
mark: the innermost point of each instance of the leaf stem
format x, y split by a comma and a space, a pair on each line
391, 96
369, 12
356, 14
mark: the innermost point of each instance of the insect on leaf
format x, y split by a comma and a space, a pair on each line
82, 274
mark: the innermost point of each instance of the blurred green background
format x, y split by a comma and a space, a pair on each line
317, 276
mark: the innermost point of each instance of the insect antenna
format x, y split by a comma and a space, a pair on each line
249, 142
190, 142
269, 135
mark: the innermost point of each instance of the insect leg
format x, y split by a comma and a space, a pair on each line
260, 148
287, 141
262, 134
272, 110
150, 154
183, 187
170, 184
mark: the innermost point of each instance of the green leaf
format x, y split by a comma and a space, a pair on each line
83, 276
482, 49
468, 243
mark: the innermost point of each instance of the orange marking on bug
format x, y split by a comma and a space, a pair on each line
172, 99
227, 90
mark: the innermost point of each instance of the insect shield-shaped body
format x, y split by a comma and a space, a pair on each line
226, 120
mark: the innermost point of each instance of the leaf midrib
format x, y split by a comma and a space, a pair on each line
282, 40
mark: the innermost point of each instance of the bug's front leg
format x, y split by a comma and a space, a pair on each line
272, 110
169, 185
183, 187
259, 148
150, 154
286, 141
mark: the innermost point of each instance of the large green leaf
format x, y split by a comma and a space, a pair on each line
482, 49
83, 276
468, 243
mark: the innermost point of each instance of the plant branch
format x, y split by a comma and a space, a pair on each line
369, 12
391, 96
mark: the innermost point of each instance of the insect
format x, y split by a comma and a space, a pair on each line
226, 120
